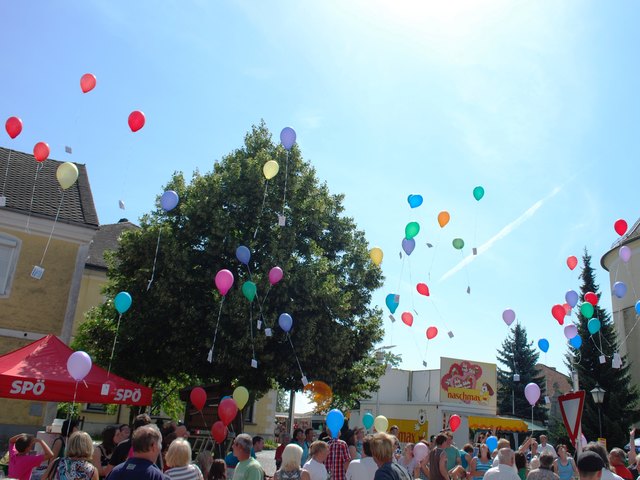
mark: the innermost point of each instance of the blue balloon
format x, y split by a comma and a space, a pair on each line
594, 326
619, 289
122, 302
335, 421
243, 254
576, 342
285, 321
638, 307
492, 443
392, 302
288, 137
169, 200
572, 298
415, 200
367, 420
543, 344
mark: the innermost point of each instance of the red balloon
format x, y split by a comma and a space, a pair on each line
572, 262
454, 422
87, 82
432, 332
219, 431
423, 289
136, 120
407, 318
13, 126
198, 398
558, 313
591, 297
41, 151
620, 227
227, 410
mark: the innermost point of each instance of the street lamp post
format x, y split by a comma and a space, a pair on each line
598, 398
516, 379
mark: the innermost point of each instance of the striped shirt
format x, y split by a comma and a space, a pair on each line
188, 472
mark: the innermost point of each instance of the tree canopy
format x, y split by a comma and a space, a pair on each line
519, 357
620, 400
327, 284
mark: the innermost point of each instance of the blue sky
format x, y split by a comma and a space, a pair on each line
535, 101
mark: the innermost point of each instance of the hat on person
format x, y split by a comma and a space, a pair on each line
590, 462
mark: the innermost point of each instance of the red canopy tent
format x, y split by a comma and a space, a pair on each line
38, 371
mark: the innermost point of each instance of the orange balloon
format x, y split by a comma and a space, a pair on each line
443, 218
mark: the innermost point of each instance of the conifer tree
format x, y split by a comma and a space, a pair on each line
594, 363
519, 357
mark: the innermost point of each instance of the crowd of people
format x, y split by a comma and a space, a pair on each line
147, 452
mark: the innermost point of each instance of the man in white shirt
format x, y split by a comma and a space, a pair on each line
545, 447
364, 468
504, 470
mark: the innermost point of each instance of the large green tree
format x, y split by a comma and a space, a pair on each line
619, 409
518, 356
327, 284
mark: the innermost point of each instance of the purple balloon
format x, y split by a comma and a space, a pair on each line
285, 321
532, 393
619, 289
288, 137
570, 331
508, 316
408, 245
625, 253
243, 254
572, 298
79, 365
169, 200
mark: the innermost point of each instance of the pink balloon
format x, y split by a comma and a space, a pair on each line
624, 253
508, 316
275, 275
224, 281
532, 393
420, 451
570, 331
79, 365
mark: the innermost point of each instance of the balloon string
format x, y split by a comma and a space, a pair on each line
264, 199
155, 259
295, 355
286, 176
466, 270
401, 272
204, 420
6, 174
413, 305
39, 167
435, 251
210, 356
253, 348
52, 229
113, 348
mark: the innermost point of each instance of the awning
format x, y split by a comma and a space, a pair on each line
497, 423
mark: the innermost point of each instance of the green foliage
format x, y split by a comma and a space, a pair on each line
282, 401
619, 409
327, 286
519, 356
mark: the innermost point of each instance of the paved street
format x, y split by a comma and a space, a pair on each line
267, 460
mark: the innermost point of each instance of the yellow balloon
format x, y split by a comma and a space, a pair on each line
376, 255
270, 169
241, 396
381, 423
67, 174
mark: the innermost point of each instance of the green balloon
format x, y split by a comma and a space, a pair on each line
249, 290
411, 230
478, 193
587, 310
458, 243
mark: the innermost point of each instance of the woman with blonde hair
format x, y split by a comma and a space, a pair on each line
290, 467
178, 459
314, 469
76, 464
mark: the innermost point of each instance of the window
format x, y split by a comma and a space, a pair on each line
9, 249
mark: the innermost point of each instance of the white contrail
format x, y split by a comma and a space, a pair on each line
500, 235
